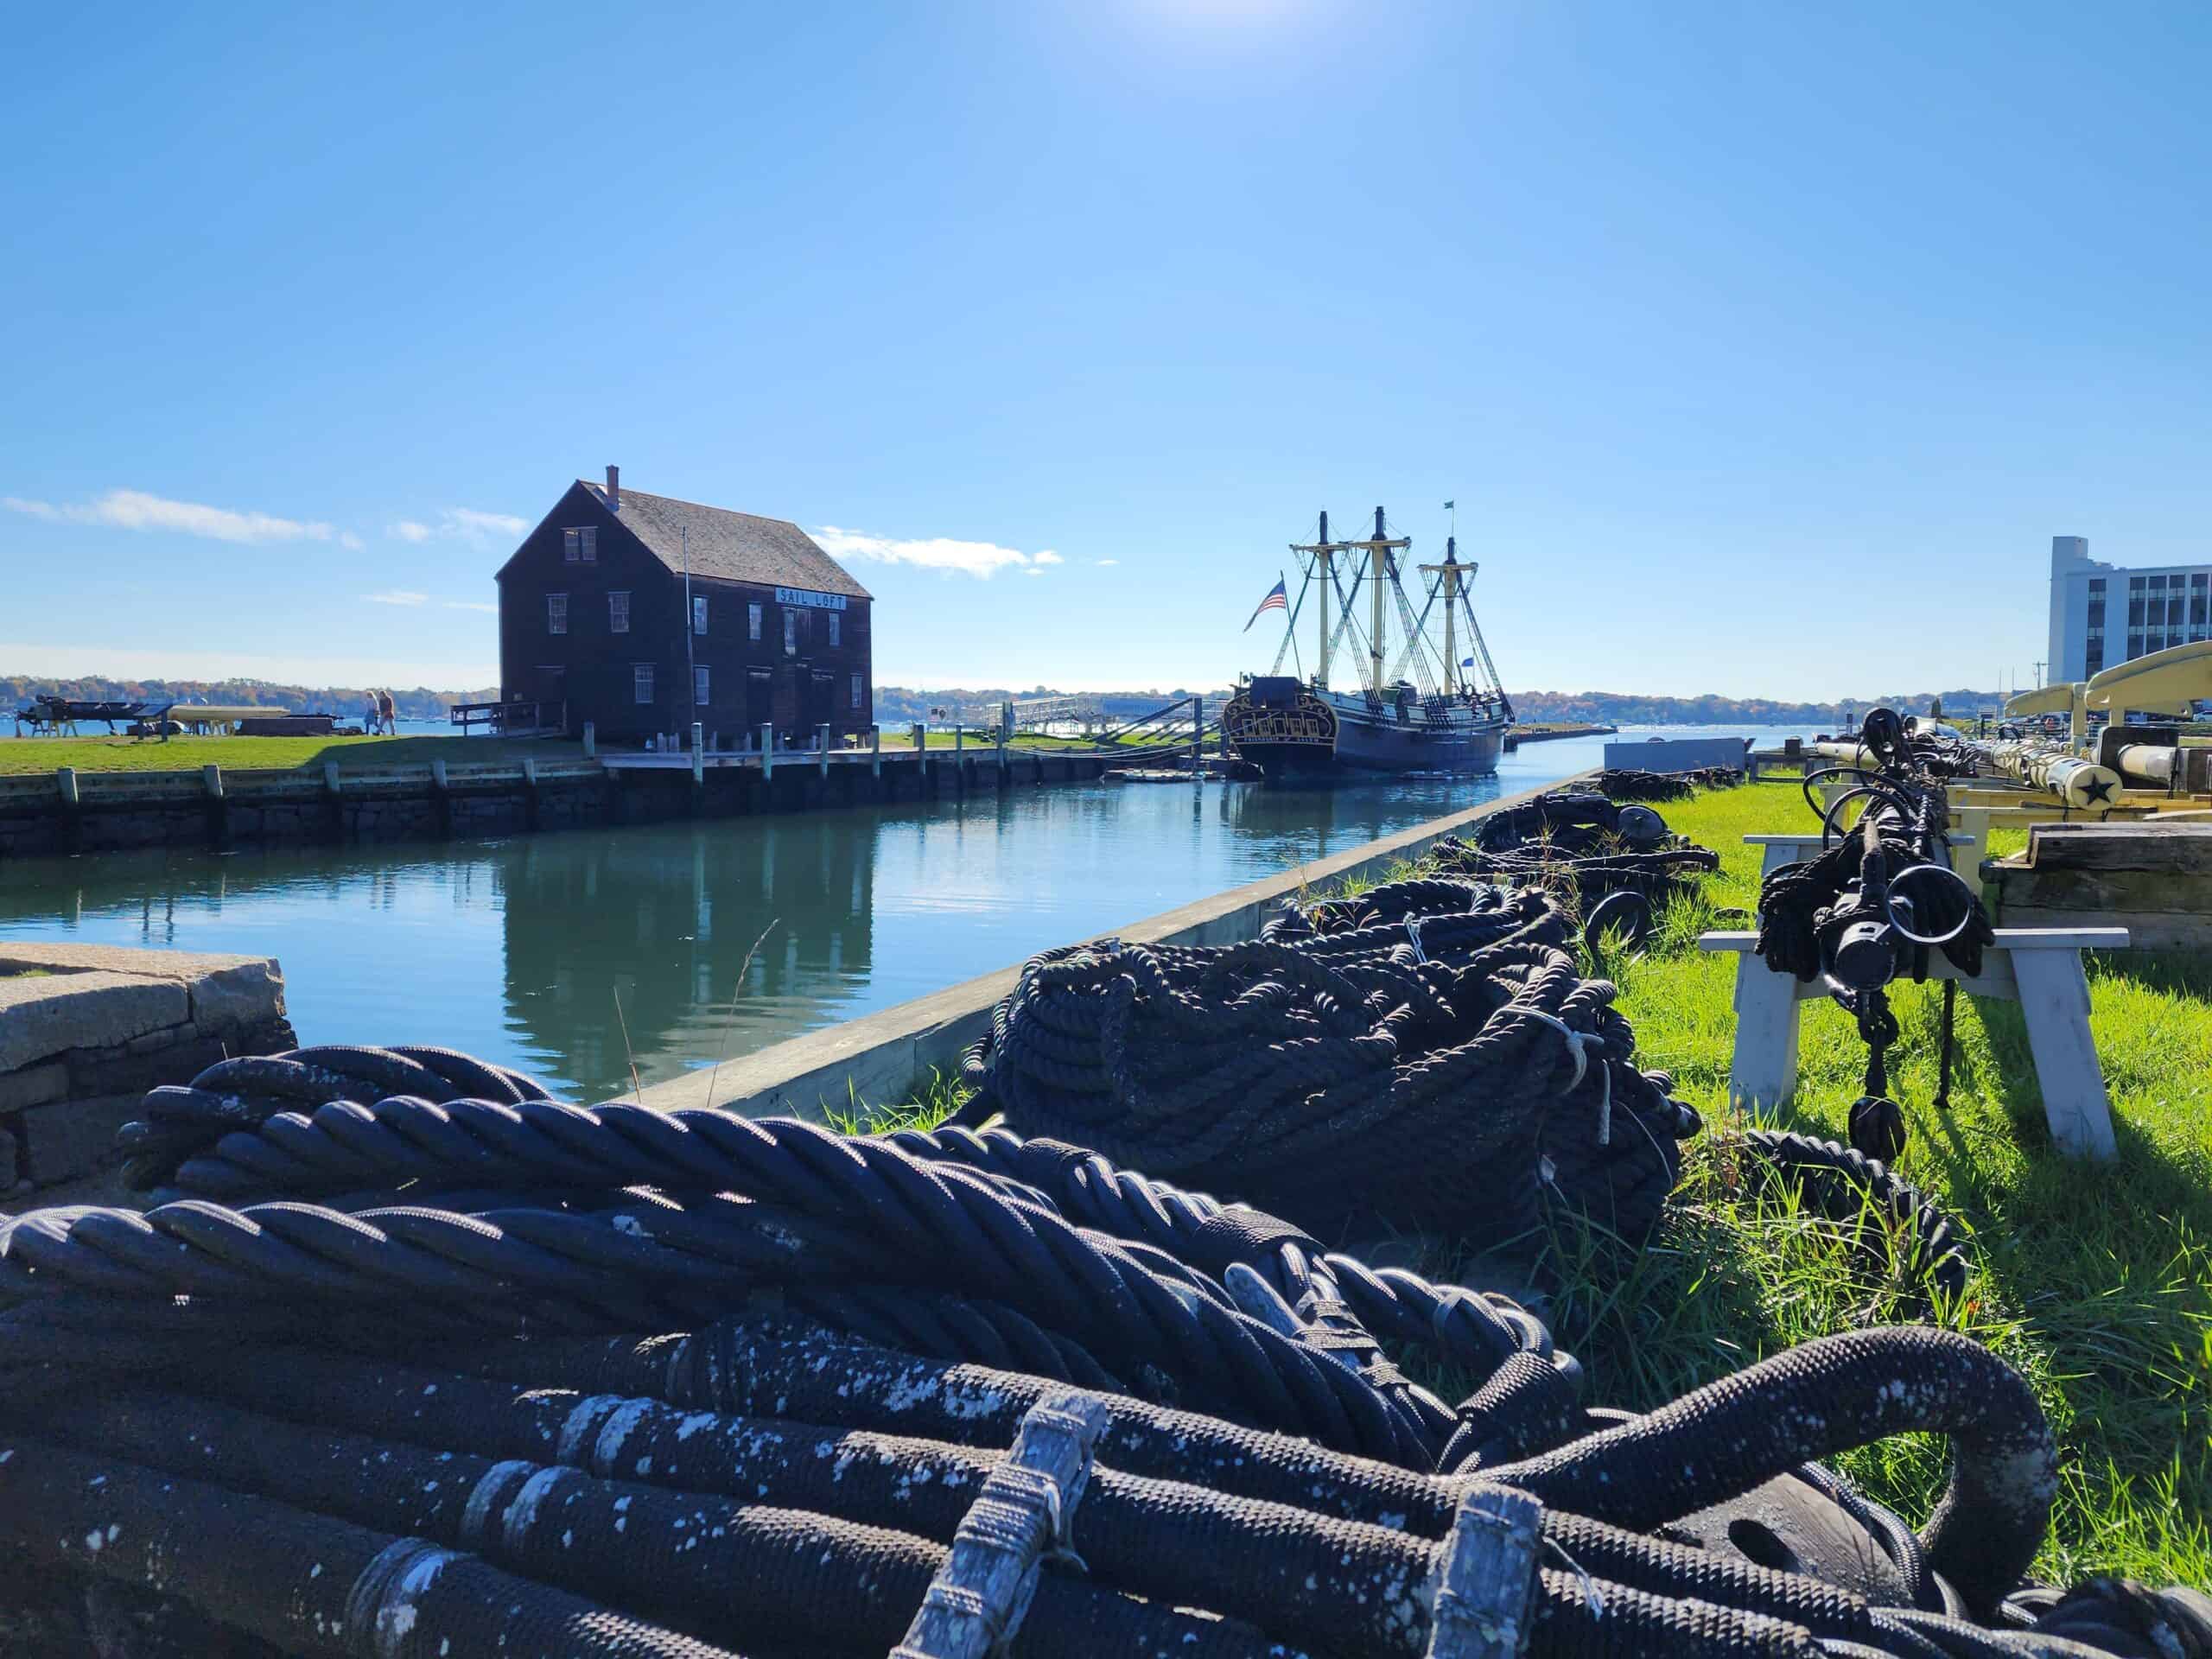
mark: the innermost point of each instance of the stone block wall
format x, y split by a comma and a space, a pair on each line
86, 1029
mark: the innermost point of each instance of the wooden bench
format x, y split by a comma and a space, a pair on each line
2039, 968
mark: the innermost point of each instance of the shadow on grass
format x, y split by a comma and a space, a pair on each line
2144, 1176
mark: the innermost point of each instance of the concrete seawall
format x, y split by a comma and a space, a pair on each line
879, 1057
61, 814
86, 1029
1515, 740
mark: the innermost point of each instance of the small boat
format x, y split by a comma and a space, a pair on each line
1425, 708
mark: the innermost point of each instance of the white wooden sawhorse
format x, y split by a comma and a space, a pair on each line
2039, 968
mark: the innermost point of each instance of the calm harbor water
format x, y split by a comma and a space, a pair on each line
574, 955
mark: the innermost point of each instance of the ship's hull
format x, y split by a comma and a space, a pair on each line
1315, 740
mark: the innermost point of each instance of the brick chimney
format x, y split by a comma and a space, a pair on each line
614, 489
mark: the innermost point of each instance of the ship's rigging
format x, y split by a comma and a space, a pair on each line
1375, 566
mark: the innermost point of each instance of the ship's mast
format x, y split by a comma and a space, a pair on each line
1375, 609
1322, 551
1321, 561
1450, 569
1379, 549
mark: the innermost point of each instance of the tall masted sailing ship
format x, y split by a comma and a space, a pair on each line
1422, 706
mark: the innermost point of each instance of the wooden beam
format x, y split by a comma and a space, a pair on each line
1486, 1575
975, 1605
2179, 849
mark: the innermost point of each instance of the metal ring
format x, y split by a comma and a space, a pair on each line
1889, 904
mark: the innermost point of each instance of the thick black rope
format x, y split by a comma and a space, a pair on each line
1615, 863
701, 1487
1303, 1074
1902, 1225
1618, 784
1471, 1329
817, 1209
550, 1482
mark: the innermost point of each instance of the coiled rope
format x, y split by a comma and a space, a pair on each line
1302, 1072
342, 1426
1615, 863
1616, 784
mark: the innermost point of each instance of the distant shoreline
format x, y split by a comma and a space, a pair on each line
897, 705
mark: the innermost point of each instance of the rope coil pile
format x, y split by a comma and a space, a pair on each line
1582, 843
471, 1421
1615, 784
1430, 1050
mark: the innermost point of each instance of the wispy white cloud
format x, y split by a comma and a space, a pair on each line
1032, 571
1109, 561
471, 605
346, 538
135, 510
397, 596
461, 523
468, 520
932, 553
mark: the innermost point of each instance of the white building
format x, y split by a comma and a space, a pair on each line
2100, 614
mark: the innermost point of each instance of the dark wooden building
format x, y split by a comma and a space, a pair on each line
592, 613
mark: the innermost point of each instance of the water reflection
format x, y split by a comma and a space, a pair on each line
650, 946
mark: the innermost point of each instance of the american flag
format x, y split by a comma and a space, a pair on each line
1277, 600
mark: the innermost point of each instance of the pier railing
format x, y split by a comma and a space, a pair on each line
516, 718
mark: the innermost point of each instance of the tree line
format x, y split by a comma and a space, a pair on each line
899, 705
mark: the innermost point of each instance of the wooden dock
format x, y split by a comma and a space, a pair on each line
68, 811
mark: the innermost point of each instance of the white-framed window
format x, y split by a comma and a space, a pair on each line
641, 681
698, 613
834, 630
618, 613
791, 633
699, 686
557, 613
581, 545
753, 621
856, 690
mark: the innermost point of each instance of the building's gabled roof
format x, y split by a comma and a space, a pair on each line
728, 546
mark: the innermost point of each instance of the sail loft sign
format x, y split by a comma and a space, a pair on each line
805, 596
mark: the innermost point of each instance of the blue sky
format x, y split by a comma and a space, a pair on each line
1725, 325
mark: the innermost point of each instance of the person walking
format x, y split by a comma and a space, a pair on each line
391, 713
370, 715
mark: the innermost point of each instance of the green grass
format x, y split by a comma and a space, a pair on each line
932, 1100
26, 756
2095, 1281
